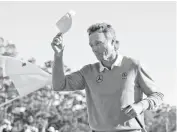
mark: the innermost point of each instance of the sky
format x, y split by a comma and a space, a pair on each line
146, 32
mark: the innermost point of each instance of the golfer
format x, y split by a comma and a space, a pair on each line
114, 85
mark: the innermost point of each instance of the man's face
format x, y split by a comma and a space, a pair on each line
102, 46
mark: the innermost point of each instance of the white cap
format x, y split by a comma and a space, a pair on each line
72, 13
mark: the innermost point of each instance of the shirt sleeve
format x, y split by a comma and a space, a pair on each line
73, 81
146, 83
70, 82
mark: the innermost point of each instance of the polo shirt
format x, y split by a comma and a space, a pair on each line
116, 63
108, 91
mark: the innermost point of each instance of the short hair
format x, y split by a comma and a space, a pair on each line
102, 28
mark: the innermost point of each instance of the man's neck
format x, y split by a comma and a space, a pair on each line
108, 63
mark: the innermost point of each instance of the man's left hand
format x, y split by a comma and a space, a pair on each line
133, 110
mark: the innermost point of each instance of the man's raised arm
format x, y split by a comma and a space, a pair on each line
60, 81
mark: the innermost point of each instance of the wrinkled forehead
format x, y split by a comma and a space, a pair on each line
97, 37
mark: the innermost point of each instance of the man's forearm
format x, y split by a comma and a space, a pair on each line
152, 101
58, 76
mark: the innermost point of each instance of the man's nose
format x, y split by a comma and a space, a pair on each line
94, 48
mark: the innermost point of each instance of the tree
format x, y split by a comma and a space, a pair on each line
162, 119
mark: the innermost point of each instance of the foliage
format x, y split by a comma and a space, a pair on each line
66, 111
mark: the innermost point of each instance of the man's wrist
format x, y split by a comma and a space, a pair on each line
59, 54
145, 104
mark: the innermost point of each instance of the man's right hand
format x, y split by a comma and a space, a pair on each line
57, 43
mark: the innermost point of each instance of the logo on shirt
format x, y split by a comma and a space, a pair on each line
99, 78
124, 75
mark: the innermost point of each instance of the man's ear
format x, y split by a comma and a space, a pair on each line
116, 45
113, 42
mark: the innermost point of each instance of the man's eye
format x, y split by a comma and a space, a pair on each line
98, 43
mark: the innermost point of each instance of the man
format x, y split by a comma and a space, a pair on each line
114, 86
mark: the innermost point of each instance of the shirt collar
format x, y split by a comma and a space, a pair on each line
116, 63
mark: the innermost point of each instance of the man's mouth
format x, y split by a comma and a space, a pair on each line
98, 54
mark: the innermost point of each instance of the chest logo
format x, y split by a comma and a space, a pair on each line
99, 78
124, 75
